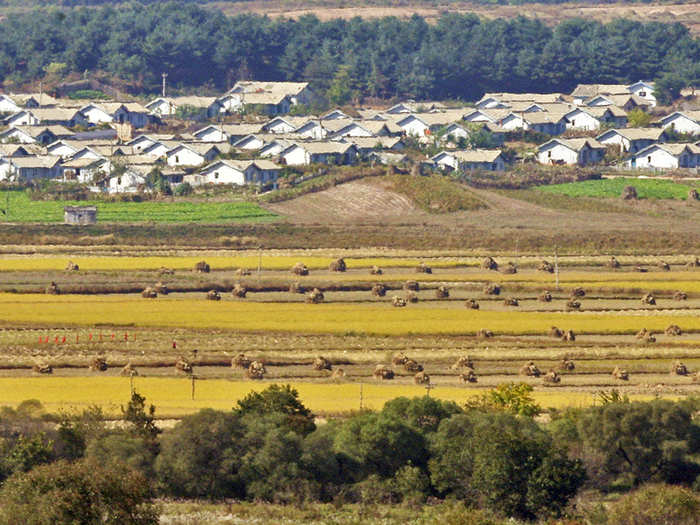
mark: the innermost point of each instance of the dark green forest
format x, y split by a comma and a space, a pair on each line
461, 56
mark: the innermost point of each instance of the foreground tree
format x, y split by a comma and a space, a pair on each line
80, 492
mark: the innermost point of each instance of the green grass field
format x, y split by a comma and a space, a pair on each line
23, 209
646, 188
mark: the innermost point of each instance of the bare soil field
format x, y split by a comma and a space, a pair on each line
688, 14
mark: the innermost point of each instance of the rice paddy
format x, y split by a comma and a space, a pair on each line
100, 312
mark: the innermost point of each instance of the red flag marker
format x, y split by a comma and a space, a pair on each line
90, 338
174, 345
56, 340
64, 339
126, 337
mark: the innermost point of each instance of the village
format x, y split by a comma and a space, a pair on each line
250, 134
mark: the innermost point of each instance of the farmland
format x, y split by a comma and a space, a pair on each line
20, 208
612, 188
99, 312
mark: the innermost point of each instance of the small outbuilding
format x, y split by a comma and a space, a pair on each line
80, 215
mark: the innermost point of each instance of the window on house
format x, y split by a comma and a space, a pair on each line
177, 158
573, 122
216, 175
649, 159
642, 93
549, 154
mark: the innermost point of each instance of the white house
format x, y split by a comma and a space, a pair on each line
643, 90
47, 116
95, 114
84, 169
30, 168
413, 126
631, 140
8, 105
274, 148
131, 112
334, 114
239, 172
296, 92
191, 154
539, 121
347, 128
250, 142
209, 107
128, 182
466, 160
579, 152
34, 134
581, 119
304, 153
583, 93
666, 156
683, 122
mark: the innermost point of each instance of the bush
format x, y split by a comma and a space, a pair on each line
184, 189
657, 504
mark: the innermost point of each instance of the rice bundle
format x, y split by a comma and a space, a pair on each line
213, 295
52, 289
376, 270
569, 336
300, 269
378, 290
484, 334
412, 366
241, 361
642, 334
43, 368
256, 370
98, 364
338, 265
530, 369
573, 305
161, 288
468, 376
421, 378
412, 297
510, 268
648, 299
72, 267
183, 365
545, 297
546, 266
664, 266
489, 264
202, 267
398, 302
411, 285
620, 374
315, 296
165, 271
442, 292
510, 301
613, 263
551, 377
555, 332
680, 296
578, 292
566, 365
423, 268
383, 372
679, 369
338, 373
399, 359
149, 293
673, 330
321, 363
239, 290
472, 304
492, 289
242, 272
463, 362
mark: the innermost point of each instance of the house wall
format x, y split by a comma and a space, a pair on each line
184, 157
96, 116
582, 121
297, 157
657, 158
274, 150
62, 151
512, 122
645, 93
414, 128
280, 127
224, 174
23, 119
550, 128
212, 135
8, 106
557, 152
683, 124
18, 136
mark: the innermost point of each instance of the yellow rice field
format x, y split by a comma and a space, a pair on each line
172, 396
333, 318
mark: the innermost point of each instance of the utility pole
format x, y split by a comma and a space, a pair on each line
164, 75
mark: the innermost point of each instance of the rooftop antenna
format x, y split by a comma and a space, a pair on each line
164, 75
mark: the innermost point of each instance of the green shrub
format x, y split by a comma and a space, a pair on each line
657, 504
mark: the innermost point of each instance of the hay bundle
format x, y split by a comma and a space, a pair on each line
99, 364
468, 377
42, 368
492, 289
463, 362
241, 361
338, 265
649, 339
551, 377
256, 370
530, 369
296, 288
398, 302
412, 366
695, 263
566, 365
411, 285
183, 365
421, 378
213, 295
472, 304
484, 334
165, 271
629, 193
161, 288
573, 304
128, 370
680, 296
489, 264
376, 270
613, 263
648, 299
620, 374
202, 267
338, 373
243, 272
664, 266
693, 195
569, 336
673, 329
383, 372
441, 292
239, 290
510, 301
72, 267
423, 268
640, 269
399, 359
315, 296
149, 293
379, 290
555, 332
321, 363
510, 268
411, 297
679, 369
300, 269
546, 266
52, 289
578, 292
545, 297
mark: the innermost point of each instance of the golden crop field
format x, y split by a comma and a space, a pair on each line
337, 318
173, 396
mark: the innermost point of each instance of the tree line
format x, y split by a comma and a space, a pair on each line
460, 56
490, 453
